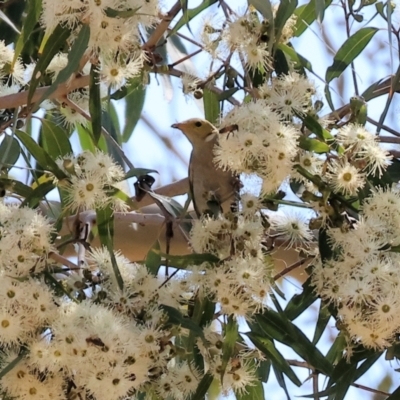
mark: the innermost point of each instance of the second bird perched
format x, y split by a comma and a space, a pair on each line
210, 186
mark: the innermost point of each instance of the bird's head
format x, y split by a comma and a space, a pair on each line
197, 130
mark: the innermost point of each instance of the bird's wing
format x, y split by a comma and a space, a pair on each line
191, 180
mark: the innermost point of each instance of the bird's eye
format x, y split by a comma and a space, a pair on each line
198, 124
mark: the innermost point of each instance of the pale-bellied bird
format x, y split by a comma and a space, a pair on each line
212, 189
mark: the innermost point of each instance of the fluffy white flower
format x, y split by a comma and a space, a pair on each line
345, 178
289, 95
91, 178
263, 145
292, 227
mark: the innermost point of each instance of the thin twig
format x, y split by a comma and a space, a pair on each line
385, 127
291, 268
185, 58
389, 139
368, 389
315, 385
303, 364
395, 153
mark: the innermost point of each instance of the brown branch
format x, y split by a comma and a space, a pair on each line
389, 139
368, 389
385, 127
20, 99
395, 153
162, 27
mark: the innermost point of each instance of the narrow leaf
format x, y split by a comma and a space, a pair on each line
134, 106
300, 302
367, 364
53, 45
85, 138
211, 106
9, 152
281, 381
15, 187
95, 102
315, 127
55, 139
319, 10
181, 262
14, 362
104, 220
38, 194
170, 205
226, 94
328, 97
201, 391
39, 154
228, 346
176, 318
335, 352
184, 6
349, 51
136, 172
190, 15
33, 9
284, 12
346, 379
110, 12
306, 15
264, 7
74, 58
298, 60
111, 122
279, 362
131, 86
153, 258
264, 370
323, 319
280, 328
105, 225
380, 88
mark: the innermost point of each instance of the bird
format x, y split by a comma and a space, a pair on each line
212, 189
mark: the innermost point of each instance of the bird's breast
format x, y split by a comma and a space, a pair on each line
209, 183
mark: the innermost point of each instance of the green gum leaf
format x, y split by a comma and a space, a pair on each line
349, 51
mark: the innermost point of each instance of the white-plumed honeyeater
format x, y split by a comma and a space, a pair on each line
212, 189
